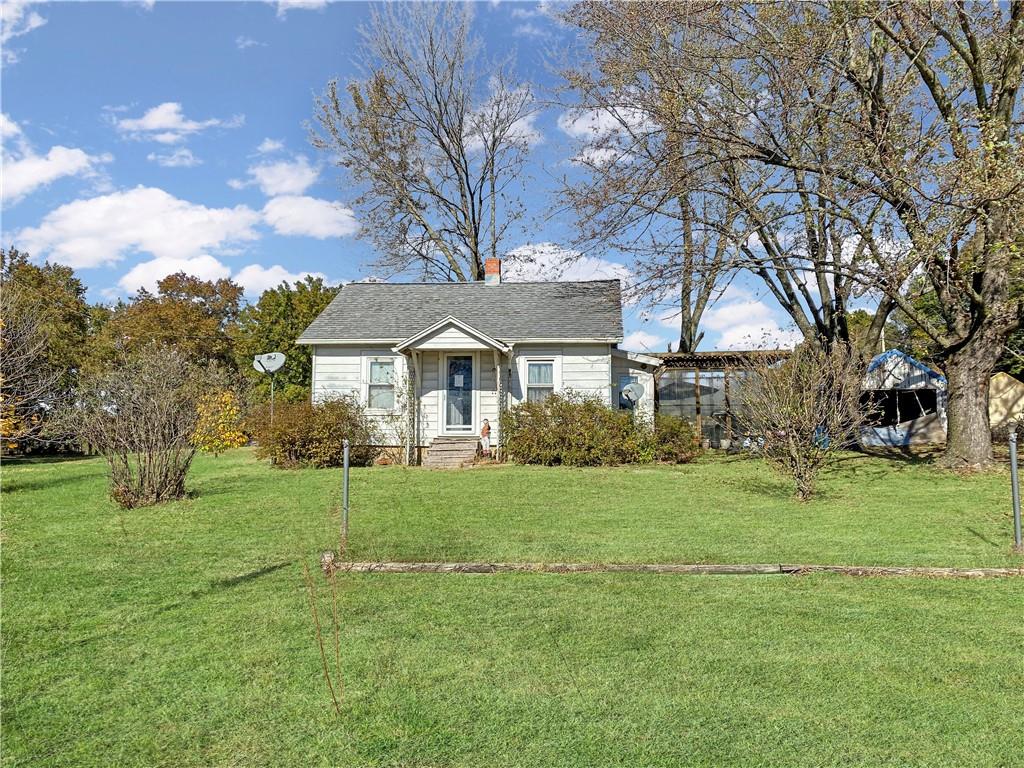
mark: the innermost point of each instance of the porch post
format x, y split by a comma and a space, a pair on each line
411, 408
500, 383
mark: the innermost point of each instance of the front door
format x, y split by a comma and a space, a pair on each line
458, 410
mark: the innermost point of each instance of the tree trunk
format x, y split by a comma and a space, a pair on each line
968, 371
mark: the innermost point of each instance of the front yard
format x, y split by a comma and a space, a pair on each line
180, 635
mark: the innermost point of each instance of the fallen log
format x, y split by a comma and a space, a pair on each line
751, 569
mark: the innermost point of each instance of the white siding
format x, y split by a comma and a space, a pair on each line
582, 368
429, 397
625, 367
342, 370
336, 372
450, 337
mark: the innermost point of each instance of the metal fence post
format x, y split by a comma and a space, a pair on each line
344, 497
1015, 489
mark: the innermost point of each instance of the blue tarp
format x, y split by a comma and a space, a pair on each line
898, 355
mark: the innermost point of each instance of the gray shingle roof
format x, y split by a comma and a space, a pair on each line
509, 311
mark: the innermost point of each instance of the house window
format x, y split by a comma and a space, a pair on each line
540, 380
381, 390
625, 381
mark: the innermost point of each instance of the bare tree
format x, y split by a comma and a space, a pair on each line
141, 415
804, 408
643, 194
659, 69
867, 143
434, 137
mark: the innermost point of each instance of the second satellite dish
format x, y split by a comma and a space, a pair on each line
269, 362
633, 392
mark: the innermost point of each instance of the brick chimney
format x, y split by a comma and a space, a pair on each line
492, 271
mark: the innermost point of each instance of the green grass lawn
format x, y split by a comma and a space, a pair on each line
180, 635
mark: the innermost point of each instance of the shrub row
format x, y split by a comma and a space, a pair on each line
308, 434
578, 431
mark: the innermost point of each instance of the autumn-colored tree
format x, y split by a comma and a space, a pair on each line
44, 321
273, 324
187, 313
55, 298
220, 423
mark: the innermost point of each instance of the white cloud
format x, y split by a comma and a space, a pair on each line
167, 124
598, 123
269, 145
242, 42
256, 278
283, 6
642, 341
549, 261
101, 230
179, 158
310, 216
24, 171
603, 136
16, 19
529, 29
525, 130
748, 324
280, 178
148, 273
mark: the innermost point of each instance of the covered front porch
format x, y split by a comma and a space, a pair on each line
457, 379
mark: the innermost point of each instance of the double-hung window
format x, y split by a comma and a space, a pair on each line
540, 380
380, 394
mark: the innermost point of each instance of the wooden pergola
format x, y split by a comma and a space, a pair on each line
726, 362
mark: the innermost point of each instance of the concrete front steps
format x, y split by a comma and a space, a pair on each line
451, 452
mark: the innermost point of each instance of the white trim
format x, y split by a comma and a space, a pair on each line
453, 321
637, 357
352, 342
364, 381
505, 347
523, 367
442, 392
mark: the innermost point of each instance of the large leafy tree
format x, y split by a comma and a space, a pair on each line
273, 324
55, 298
44, 324
187, 313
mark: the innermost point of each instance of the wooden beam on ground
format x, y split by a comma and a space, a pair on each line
692, 569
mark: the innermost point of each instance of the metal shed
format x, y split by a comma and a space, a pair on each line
907, 402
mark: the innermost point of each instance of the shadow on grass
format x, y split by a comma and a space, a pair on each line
221, 584
215, 586
12, 485
982, 536
57, 458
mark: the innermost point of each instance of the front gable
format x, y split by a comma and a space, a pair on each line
450, 333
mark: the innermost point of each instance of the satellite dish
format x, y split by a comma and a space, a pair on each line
633, 392
269, 362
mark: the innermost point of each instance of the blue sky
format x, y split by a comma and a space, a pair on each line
142, 139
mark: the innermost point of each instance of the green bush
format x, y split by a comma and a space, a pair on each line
574, 431
675, 439
306, 434
579, 431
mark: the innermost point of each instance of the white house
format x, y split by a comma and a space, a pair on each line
431, 361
